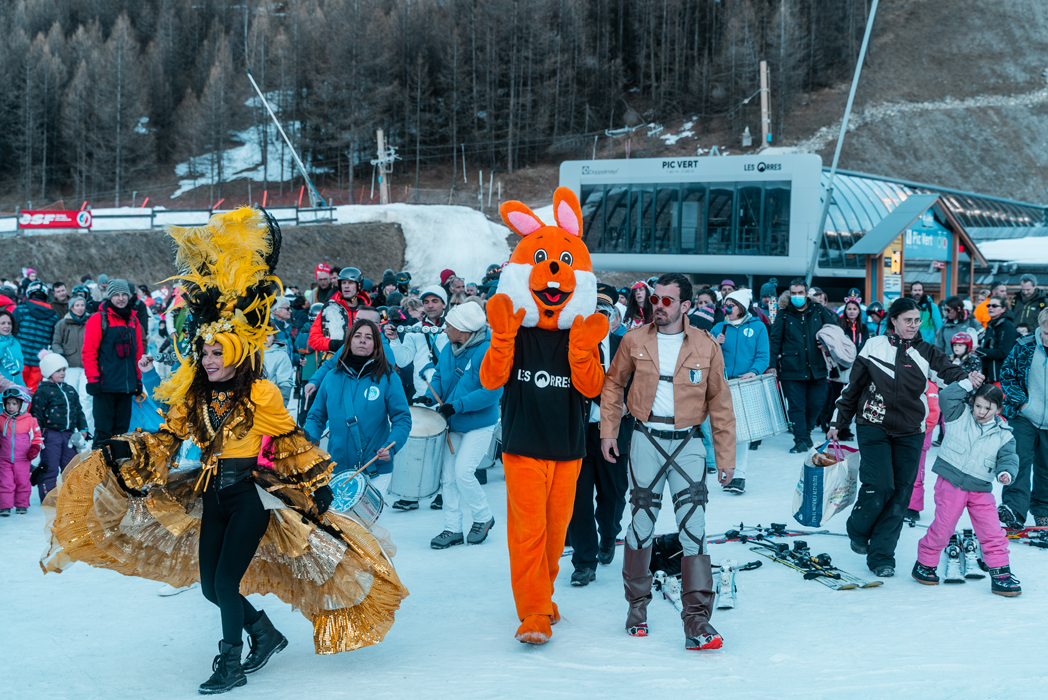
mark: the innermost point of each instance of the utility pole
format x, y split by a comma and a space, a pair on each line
314, 197
828, 196
384, 165
765, 107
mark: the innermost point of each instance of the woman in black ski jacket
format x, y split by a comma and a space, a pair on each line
999, 338
885, 395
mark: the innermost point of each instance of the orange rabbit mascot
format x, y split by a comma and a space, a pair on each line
544, 352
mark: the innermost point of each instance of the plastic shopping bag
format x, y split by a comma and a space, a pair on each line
828, 483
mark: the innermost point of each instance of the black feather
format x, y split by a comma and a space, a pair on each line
275, 239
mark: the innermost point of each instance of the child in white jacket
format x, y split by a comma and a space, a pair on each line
978, 447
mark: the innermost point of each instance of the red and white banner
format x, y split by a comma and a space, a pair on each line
55, 219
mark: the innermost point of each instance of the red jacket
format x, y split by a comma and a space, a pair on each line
112, 358
339, 312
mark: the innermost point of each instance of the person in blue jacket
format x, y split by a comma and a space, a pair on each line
362, 402
472, 412
744, 344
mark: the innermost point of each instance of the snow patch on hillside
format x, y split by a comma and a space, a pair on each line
243, 162
438, 237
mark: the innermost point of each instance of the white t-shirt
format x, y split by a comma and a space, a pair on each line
669, 351
605, 350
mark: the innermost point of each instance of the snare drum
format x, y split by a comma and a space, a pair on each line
417, 466
356, 496
759, 412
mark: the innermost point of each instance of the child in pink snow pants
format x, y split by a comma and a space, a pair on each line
978, 447
931, 394
20, 442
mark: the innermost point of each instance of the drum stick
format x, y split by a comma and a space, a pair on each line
372, 460
440, 403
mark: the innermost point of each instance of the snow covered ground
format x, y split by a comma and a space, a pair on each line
90, 633
438, 237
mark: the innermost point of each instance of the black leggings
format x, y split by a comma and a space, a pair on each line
233, 524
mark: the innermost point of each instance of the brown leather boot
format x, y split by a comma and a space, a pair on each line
636, 578
697, 597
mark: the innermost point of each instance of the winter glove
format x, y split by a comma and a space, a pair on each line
423, 401
93, 389
446, 410
38, 473
323, 497
335, 345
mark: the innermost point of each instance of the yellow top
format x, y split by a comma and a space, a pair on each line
270, 417
298, 464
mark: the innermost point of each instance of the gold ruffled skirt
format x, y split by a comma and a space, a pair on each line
340, 576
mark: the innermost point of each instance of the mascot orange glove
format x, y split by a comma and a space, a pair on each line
544, 352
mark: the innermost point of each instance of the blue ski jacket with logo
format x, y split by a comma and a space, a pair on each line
745, 347
363, 415
457, 381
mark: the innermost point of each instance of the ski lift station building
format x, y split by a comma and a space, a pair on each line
756, 217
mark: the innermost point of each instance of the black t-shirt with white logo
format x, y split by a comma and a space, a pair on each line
542, 413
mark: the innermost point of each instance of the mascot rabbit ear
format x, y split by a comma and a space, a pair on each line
567, 211
519, 218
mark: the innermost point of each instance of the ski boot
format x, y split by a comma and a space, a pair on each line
697, 599
1002, 582
228, 673
264, 640
636, 578
928, 575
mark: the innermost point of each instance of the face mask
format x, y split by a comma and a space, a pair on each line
799, 300
727, 310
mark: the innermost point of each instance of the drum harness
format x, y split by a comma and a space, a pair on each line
643, 497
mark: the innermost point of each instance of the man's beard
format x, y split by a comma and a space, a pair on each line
667, 320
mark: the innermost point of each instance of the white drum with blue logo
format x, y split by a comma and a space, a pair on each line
356, 496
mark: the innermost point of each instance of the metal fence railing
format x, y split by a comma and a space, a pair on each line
139, 219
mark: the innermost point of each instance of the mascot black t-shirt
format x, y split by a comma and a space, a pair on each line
542, 413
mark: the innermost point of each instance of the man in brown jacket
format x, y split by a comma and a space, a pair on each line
678, 379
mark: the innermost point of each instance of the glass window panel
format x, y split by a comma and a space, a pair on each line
777, 218
615, 208
641, 212
693, 219
748, 234
593, 217
665, 218
721, 211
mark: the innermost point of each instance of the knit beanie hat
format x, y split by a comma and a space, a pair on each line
118, 287
394, 299
743, 297
705, 314
389, 277
322, 267
468, 317
770, 289
445, 274
436, 290
51, 363
103, 278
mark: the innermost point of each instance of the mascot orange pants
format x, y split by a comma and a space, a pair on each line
544, 351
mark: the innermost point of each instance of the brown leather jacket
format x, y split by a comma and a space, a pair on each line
699, 386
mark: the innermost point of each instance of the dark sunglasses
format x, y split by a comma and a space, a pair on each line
994, 306
665, 301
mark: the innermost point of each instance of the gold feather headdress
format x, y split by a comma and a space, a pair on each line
226, 272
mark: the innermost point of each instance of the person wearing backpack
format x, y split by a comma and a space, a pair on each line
112, 347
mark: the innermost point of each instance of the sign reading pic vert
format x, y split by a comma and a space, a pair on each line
54, 219
929, 243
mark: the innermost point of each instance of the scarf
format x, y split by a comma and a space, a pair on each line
738, 322
476, 338
355, 363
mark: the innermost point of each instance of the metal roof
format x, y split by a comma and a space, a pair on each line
862, 201
897, 221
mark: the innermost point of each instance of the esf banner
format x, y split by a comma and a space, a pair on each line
55, 219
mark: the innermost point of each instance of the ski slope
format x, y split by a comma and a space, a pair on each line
438, 237
93, 634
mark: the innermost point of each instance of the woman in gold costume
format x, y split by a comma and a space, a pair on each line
231, 524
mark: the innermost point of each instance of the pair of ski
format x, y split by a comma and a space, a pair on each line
815, 568
963, 558
727, 590
774, 530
